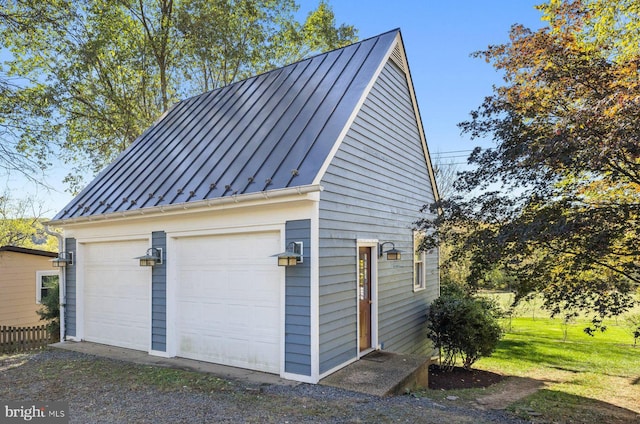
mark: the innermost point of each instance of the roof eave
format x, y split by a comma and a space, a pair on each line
37, 252
262, 196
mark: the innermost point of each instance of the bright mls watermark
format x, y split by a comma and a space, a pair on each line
34, 412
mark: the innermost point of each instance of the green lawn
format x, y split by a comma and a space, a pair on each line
541, 343
585, 379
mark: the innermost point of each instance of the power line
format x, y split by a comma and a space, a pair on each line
451, 164
454, 151
451, 157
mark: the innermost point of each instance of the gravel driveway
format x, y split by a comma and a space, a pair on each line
108, 391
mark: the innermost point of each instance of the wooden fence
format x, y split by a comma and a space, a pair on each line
23, 339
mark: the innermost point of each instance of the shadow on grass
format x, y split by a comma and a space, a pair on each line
560, 407
565, 369
535, 352
573, 357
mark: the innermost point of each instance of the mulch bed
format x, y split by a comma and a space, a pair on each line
459, 378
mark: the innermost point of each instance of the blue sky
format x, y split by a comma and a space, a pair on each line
439, 37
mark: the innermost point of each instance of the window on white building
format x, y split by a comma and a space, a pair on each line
45, 281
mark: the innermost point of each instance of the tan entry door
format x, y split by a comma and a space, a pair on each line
364, 296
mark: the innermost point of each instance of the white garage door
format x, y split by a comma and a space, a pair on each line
116, 294
229, 300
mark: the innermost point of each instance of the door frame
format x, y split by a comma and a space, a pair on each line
373, 244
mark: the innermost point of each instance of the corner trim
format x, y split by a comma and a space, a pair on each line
299, 377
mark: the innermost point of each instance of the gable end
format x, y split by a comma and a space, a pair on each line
397, 57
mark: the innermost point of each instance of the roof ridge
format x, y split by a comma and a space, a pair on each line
286, 66
340, 48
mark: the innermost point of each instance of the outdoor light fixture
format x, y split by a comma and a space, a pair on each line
63, 259
152, 257
292, 255
393, 254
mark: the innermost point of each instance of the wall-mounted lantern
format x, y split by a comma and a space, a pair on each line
393, 254
63, 259
292, 255
152, 257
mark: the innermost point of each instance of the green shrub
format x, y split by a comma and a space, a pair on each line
50, 311
463, 326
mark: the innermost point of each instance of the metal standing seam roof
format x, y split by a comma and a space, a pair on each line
271, 131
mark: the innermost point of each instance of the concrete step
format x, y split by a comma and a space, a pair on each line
382, 373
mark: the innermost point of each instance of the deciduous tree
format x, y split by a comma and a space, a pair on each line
12, 119
21, 224
95, 73
556, 203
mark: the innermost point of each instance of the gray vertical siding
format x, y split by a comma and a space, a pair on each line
297, 343
70, 290
374, 189
159, 295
